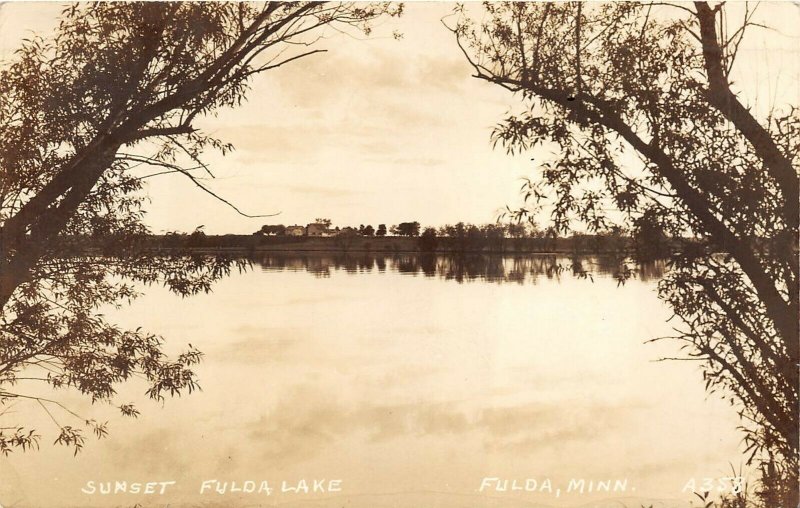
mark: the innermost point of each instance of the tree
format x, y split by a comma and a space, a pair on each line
277, 229
458, 236
650, 240
406, 229
495, 235
368, 231
639, 82
78, 112
345, 238
381, 230
476, 239
428, 241
196, 238
516, 230
326, 222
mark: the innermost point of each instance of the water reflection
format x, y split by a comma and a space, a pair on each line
378, 370
464, 268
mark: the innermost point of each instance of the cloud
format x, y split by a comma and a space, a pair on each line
535, 426
265, 142
259, 349
375, 67
409, 161
320, 191
307, 419
157, 451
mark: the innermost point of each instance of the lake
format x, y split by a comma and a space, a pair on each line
403, 381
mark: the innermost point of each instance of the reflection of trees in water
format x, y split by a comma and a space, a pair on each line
320, 264
459, 268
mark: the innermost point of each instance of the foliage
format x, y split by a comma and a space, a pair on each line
272, 229
78, 113
463, 237
428, 241
345, 238
406, 229
635, 103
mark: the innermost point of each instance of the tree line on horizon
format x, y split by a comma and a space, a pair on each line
646, 241
514, 229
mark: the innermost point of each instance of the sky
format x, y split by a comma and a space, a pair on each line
379, 130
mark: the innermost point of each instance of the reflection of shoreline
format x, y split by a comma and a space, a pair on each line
374, 375
460, 268
579, 244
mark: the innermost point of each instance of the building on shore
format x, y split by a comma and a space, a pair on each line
295, 230
317, 229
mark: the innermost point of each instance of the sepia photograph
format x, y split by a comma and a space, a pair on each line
531, 254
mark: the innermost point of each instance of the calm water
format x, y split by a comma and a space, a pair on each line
410, 379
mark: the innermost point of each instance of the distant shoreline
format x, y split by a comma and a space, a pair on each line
250, 244
391, 244
242, 250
